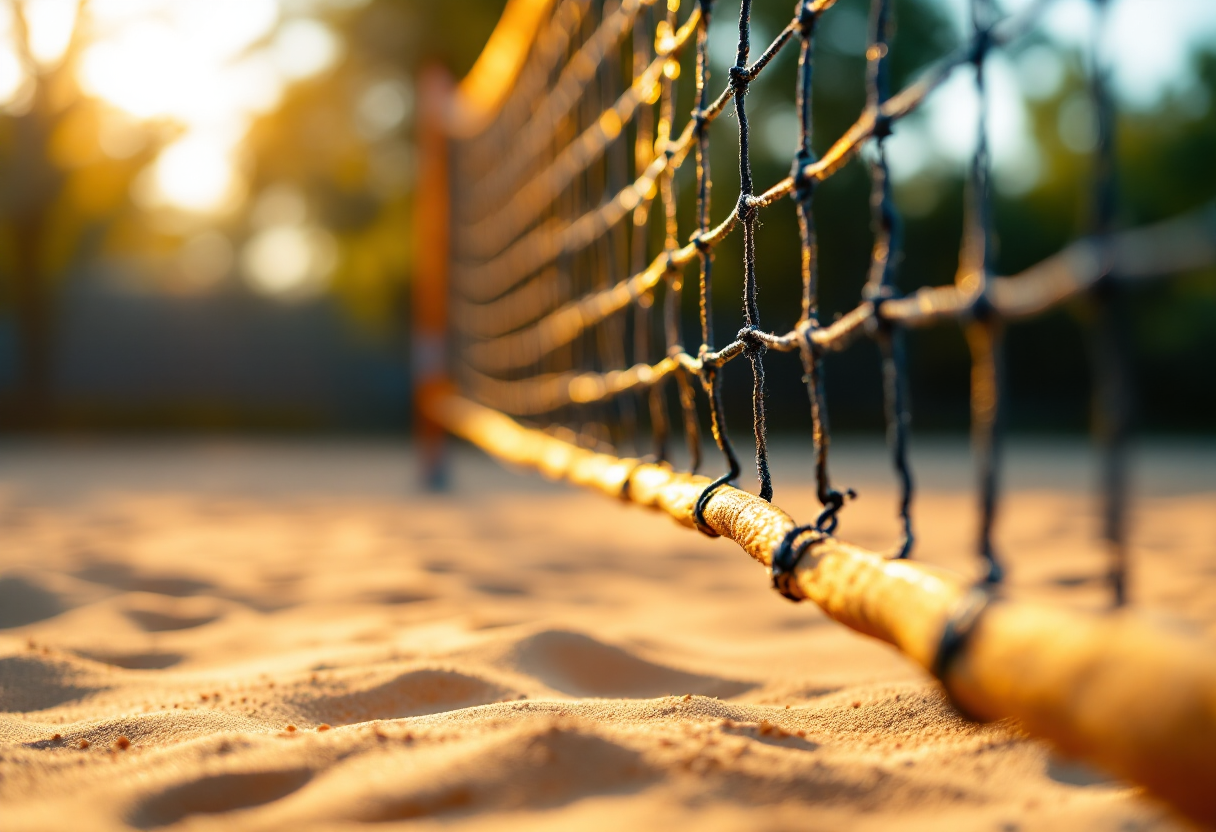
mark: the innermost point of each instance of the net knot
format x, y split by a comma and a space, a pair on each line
746, 207
697, 238
982, 308
753, 341
981, 44
700, 120
804, 186
706, 368
740, 77
807, 18
833, 501
788, 554
884, 125
883, 291
806, 329
877, 296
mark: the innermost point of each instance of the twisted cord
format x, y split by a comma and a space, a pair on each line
984, 331
753, 346
888, 246
708, 374
1112, 399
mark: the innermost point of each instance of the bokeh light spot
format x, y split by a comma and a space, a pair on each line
1040, 72
196, 173
304, 48
12, 75
289, 262
383, 107
1078, 123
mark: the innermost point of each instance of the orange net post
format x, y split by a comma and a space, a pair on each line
430, 289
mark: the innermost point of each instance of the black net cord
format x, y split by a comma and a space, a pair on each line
829, 498
984, 337
888, 247
895, 397
1112, 377
984, 332
709, 372
754, 346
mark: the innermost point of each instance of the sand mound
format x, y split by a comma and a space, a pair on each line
196, 661
575, 664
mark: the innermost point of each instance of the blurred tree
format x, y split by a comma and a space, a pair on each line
341, 142
344, 141
59, 192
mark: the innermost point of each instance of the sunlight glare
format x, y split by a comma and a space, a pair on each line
112, 11
314, 6
141, 71
209, 66
224, 28
50, 25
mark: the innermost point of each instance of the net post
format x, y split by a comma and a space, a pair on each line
429, 293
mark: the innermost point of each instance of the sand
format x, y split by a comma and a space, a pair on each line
287, 636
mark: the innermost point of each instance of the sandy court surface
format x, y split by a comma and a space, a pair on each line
286, 635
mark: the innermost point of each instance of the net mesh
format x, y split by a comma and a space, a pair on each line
568, 268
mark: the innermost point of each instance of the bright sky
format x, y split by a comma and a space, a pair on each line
1154, 40
1152, 46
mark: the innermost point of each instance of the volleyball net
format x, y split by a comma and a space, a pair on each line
550, 332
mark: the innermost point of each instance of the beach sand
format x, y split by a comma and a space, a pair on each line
268, 636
